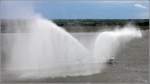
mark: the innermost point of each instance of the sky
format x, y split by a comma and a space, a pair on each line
83, 9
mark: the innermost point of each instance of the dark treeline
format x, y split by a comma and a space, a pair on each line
141, 23
76, 25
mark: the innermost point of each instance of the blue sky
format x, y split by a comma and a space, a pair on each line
90, 9
94, 9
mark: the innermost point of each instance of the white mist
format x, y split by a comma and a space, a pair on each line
46, 50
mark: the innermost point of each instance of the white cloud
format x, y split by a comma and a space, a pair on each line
140, 6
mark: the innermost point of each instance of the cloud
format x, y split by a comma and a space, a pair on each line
140, 6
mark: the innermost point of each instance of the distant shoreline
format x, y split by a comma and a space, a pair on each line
86, 24
83, 25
